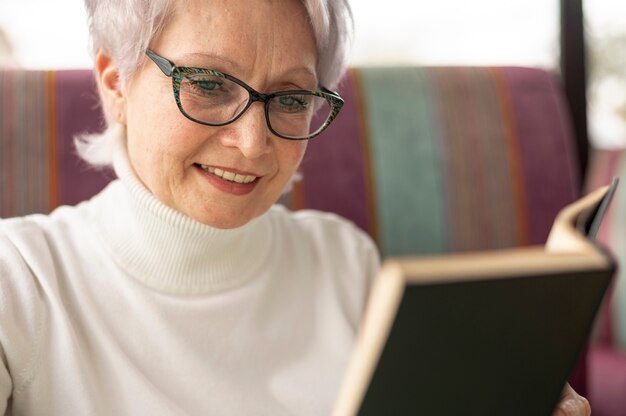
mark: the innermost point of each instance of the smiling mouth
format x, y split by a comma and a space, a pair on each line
228, 176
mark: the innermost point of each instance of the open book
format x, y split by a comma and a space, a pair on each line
485, 333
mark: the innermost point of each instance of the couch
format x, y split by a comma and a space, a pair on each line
424, 159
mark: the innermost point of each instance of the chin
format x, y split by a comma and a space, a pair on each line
226, 221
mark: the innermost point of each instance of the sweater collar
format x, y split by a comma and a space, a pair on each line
170, 251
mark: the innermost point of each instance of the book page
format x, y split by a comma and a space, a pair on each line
564, 236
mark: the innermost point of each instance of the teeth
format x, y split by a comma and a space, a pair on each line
229, 176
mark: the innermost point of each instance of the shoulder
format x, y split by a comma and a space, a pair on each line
35, 246
25, 257
334, 252
41, 230
318, 223
22, 235
322, 230
11, 259
34, 236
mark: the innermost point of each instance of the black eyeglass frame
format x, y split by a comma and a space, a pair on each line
177, 73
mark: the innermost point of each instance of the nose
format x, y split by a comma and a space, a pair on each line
249, 133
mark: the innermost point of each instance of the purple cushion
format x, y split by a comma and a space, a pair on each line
607, 381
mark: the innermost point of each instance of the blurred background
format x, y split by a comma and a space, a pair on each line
445, 32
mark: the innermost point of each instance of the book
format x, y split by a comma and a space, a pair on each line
482, 333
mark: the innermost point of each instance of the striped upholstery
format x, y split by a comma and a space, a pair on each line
483, 157
39, 114
426, 160
431, 160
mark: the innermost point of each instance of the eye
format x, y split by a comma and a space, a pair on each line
293, 103
205, 84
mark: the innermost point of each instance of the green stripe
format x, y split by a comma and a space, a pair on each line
405, 157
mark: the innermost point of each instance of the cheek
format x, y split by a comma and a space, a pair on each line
152, 115
159, 131
291, 154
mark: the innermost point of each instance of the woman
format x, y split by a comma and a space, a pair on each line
181, 288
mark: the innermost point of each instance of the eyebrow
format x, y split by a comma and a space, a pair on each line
202, 60
199, 58
297, 72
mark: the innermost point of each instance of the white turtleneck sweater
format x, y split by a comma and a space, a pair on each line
123, 306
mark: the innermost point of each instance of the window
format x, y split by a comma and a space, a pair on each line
457, 32
606, 46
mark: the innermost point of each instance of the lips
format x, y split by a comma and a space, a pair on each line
228, 175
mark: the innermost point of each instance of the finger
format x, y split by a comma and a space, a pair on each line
573, 407
572, 404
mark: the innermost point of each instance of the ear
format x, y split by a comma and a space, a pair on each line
110, 87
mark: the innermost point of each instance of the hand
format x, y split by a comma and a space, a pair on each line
572, 404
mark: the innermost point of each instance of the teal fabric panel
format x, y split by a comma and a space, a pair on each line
404, 142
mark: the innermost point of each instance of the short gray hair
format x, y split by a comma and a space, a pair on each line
125, 28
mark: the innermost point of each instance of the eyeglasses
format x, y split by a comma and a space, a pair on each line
213, 98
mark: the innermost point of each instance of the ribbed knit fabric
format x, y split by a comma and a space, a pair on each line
123, 306
184, 256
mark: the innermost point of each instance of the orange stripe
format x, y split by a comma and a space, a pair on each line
53, 180
7, 106
514, 158
364, 136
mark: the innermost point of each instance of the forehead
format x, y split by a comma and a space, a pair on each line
274, 36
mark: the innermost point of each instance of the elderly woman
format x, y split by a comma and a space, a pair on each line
181, 288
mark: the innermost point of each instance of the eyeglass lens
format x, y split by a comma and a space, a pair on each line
217, 100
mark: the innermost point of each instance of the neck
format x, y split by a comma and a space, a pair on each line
169, 251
